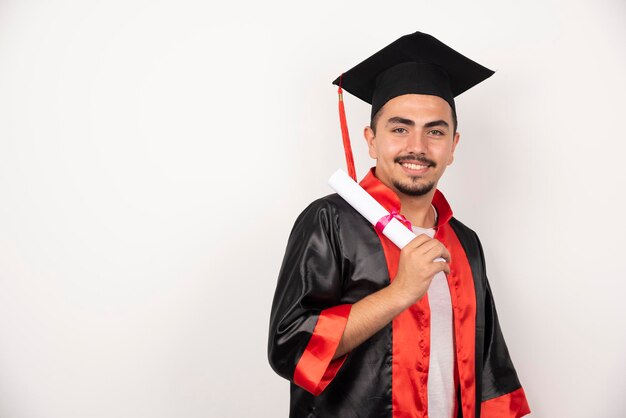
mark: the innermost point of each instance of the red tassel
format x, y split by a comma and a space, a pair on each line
345, 135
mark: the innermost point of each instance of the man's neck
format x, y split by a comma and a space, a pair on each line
418, 209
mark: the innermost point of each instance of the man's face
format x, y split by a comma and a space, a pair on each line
413, 144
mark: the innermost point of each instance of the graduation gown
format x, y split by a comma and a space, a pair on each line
334, 258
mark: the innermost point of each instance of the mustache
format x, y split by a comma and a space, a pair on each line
416, 158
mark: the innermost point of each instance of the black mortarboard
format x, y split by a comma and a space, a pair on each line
414, 64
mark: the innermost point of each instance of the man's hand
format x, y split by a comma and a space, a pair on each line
417, 267
416, 270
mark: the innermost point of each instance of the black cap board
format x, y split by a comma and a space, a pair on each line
414, 64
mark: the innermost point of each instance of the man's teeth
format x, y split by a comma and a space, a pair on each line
414, 166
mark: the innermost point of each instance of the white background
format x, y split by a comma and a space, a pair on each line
154, 155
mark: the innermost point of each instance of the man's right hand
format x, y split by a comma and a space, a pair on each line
417, 267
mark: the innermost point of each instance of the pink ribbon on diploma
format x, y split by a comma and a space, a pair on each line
382, 222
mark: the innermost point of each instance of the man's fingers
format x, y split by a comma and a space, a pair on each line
446, 254
438, 266
418, 241
435, 250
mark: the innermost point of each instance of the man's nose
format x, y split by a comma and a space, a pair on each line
416, 142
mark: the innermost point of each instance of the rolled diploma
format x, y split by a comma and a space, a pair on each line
367, 206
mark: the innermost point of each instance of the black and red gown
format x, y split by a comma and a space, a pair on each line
334, 258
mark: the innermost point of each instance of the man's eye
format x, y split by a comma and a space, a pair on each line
436, 132
400, 130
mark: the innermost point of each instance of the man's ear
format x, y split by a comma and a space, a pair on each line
455, 142
368, 134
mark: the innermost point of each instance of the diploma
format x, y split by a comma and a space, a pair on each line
371, 210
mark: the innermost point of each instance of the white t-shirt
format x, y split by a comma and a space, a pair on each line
441, 391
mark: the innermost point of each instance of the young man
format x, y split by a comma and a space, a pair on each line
362, 329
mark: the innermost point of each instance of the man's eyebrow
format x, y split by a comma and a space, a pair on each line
409, 122
398, 119
434, 123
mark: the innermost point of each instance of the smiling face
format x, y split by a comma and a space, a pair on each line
413, 144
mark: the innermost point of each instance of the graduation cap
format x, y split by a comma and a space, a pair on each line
414, 64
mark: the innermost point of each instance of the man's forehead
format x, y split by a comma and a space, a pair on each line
416, 107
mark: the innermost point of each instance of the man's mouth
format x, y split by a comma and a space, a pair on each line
414, 162
412, 166
415, 165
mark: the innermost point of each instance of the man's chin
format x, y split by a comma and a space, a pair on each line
414, 189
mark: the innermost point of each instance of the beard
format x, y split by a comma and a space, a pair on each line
413, 187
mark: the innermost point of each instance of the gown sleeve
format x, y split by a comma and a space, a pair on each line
502, 392
308, 319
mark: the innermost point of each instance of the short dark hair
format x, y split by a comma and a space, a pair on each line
374, 121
